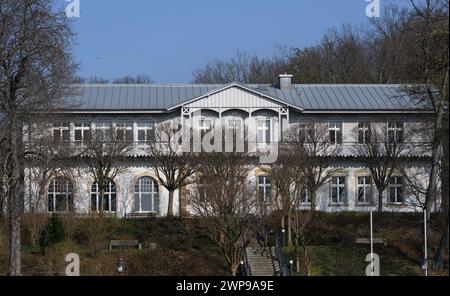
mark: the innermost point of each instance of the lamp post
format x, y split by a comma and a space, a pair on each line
120, 265
291, 267
425, 257
282, 235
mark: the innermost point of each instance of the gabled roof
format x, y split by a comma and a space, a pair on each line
241, 86
309, 98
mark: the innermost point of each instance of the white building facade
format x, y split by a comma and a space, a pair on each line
139, 109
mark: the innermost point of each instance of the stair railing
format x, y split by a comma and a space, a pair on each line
247, 269
284, 267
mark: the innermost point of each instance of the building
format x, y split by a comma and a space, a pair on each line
139, 109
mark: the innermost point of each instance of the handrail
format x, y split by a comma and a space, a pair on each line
285, 270
247, 269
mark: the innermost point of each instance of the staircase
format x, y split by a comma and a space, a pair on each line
263, 261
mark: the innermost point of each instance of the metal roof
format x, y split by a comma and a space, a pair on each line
163, 97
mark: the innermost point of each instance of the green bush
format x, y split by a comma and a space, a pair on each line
53, 233
318, 271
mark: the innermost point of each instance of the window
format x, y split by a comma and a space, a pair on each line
363, 132
60, 195
146, 195
335, 129
205, 125
109, 197
364, 190
234, 124
145, 132
306, 197
263, 131
102, 131
306, 132
338, 190
265, 189
395, 132
61, 132
396, 190
124, 131
201, 190
82, 133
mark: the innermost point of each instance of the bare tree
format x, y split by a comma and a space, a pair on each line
128, 79
101, 154
172, 166
318, 149
382, 153
35, 73
431, 67
284, 175
224, 198
242, 68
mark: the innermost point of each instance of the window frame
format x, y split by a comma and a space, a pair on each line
306, 132
337, 131
396, 187
68, 195
267, 131
86, 131
154, 195
101, 130
364, 132
337, 186
128, 129
364, 185
108, 193
398, 132
61, 127
148, 127
266, 187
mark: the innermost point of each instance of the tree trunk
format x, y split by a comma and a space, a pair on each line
297, 255
15, 247
15, 196
182, 196
170, 206
380, 200
289, 230
233, 269
313, 200
438, 263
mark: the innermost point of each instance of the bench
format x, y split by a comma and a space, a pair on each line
124, 244
139, 215
366, 241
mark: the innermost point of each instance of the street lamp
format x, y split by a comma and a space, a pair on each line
120, 265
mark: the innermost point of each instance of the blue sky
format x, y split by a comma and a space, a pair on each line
168, 39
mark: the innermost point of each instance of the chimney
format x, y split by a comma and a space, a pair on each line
285, 81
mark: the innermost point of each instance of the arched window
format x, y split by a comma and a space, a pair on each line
60, 198
146, 195
109, 197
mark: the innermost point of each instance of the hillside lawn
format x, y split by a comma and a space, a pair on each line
183, 247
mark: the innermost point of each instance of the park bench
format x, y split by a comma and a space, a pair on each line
124, 244
366, 241
139, 215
